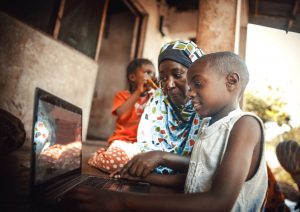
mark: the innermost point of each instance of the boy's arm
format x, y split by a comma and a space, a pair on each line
124, 110
175, 181
237, 165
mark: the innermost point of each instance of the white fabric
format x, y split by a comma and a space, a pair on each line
131, 149
207, 155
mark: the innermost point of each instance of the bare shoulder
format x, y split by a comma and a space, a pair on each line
247, 128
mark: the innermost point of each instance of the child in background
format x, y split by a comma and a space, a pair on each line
128, 106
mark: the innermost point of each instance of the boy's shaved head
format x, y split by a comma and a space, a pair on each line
226, 63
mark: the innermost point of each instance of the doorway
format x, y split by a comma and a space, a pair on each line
122, 41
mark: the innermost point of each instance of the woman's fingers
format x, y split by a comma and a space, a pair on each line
146, 172
133, 168
115, 174
140, 165
140, 169
126, 167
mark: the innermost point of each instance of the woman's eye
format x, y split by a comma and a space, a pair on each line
177, 75
163, 79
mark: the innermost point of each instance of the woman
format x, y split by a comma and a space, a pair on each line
169, 125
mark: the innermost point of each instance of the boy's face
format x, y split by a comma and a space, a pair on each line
172, 76
208, 90
143, 73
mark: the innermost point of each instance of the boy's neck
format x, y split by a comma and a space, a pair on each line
223, 113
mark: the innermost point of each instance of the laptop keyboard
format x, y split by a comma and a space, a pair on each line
92, 181
95, 182
98, 183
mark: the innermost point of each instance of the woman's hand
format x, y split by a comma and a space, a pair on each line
116, 174
142, 164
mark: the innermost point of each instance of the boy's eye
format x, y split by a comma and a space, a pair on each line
197, 84
150, 73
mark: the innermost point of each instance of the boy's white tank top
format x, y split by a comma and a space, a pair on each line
207, 155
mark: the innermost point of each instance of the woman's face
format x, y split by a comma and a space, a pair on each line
173, 79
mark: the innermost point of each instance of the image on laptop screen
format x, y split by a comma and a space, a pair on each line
57, 141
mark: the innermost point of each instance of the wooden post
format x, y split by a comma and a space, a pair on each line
59, 18
101, 29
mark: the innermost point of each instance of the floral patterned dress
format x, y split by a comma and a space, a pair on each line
168, 128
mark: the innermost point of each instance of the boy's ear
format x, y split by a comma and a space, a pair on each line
132, 77
232, 80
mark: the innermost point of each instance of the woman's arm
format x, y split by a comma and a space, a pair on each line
143, 164
177, 162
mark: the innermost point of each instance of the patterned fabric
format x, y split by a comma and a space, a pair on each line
182, 52
109, 160
168, 128
115, 157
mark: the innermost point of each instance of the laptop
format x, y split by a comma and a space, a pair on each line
56, 160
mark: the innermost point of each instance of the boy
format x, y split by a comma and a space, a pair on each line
128, 106
227, 170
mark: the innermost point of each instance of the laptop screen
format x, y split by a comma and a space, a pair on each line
56, 137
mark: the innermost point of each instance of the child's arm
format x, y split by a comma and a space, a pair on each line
175, 181
238, 165
123, 111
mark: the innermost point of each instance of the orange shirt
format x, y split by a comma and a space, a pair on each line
127, 130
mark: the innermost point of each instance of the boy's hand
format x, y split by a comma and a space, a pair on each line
86, 198
140, 86
146, 83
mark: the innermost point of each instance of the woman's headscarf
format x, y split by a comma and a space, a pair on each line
163, 125
181, 52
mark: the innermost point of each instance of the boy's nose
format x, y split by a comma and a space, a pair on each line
146, 76
191, 93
